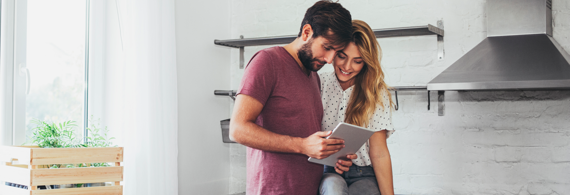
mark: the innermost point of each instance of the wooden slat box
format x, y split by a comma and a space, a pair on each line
29, 170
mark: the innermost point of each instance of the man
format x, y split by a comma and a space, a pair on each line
278, 109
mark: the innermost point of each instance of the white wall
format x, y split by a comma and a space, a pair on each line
203, 161
504, 142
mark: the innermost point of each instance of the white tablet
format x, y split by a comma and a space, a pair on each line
354, 137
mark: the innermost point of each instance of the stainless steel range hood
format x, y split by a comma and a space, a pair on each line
518, 53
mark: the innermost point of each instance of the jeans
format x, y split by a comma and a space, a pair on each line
357, 180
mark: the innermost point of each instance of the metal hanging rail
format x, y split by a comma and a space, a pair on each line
232, 93
409, 88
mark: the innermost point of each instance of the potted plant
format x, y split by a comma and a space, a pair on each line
61, 161
97, 138
61, 135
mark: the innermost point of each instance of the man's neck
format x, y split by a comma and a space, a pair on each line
294, 52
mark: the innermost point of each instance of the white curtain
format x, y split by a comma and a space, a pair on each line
135, 91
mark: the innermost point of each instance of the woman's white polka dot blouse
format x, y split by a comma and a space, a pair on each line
335, 101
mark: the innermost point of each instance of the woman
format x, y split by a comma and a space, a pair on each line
356, 93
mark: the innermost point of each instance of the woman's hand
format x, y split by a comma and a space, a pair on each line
343, 165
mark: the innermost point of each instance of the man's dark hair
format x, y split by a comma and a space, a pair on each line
326, 15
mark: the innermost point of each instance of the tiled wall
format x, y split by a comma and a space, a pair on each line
502, 142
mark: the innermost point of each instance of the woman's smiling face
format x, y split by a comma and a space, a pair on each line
347, 64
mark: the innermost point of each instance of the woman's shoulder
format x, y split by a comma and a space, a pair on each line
386, 96
382, 117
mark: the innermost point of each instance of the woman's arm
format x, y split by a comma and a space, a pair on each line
381, 162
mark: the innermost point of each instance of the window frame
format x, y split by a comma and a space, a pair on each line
6, 18
13, 20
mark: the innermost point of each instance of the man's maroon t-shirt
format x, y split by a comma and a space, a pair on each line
291, 106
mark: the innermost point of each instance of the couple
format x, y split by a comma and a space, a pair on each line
283, 104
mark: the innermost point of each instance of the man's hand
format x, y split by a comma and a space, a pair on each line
316, 146
343, 165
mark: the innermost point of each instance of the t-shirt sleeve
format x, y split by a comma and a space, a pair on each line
382, 117
259, 77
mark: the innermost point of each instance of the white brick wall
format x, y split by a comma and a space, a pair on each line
503, 142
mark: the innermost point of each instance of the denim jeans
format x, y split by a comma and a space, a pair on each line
357, 180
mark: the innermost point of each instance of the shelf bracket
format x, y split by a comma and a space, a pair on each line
241, 51
429, 102
397, 104
440, 102
241, 57
440, 49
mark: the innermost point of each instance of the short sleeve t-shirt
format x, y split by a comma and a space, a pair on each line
291, 106
335, 101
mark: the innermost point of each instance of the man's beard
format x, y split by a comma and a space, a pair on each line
305, 55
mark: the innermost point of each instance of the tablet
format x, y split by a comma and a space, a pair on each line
354, 137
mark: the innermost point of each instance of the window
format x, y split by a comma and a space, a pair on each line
50, 44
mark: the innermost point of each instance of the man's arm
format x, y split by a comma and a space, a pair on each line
244, 131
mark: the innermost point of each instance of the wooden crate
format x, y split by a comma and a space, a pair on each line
25, 166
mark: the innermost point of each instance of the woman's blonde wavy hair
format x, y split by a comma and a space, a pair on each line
369, 85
